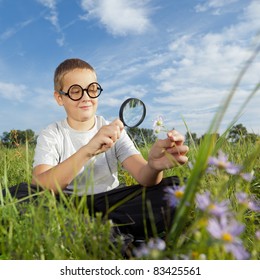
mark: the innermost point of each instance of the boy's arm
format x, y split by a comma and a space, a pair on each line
164, 154
59, 176
139, 168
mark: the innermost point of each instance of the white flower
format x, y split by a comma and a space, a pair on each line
158, 124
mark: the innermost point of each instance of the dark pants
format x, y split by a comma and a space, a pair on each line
140, 211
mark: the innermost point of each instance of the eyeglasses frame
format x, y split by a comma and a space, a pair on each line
83, 89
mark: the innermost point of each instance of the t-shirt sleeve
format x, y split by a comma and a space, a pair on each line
125, 147
47, 148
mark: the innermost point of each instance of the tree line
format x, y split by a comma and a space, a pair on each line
234, 135
16, 138
141, 136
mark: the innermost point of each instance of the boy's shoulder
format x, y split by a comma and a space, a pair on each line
54, 128
55, 125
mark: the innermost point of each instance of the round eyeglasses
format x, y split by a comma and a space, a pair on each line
76, 92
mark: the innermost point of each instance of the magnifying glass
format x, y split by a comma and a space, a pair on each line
132, 112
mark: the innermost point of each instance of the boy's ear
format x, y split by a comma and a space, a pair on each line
58, 98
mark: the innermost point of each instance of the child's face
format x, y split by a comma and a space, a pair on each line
84, 109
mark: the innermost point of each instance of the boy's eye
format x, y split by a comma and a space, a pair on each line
92, 88
75, 90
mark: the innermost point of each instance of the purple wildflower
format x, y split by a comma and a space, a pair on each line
257, 234
222, 162
244, 199
190, 165
211, 170
237, 250
174, 195
154, 244
247, 176
204, 203
228, 230
141, 251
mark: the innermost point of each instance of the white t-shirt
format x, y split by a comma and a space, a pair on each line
59, 141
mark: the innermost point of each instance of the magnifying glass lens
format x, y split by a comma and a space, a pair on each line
132, 112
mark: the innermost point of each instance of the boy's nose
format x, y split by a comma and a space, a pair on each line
85, 95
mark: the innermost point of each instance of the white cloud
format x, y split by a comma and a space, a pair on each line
13, 92
193, 75
111, 102
121, 92
213, 4
13, 30
37, 110
43, 98
51, 4
252, 12
119, 17
203, 60
203, 68
53, 18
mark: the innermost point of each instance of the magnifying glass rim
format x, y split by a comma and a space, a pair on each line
122, 109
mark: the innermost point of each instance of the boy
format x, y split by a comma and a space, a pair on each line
79, 155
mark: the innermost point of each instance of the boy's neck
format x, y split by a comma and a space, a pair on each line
81, 126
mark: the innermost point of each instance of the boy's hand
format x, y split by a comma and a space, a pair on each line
169, 152
105, 138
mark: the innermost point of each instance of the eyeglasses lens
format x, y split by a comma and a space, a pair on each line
94, 90
75, 92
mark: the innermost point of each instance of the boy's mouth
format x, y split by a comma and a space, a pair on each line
86, 107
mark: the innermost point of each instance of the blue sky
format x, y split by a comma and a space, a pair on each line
180, 57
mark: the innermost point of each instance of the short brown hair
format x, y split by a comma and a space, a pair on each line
67, 66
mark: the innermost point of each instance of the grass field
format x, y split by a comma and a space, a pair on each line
223, 226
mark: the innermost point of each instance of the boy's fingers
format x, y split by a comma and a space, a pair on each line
118, 123
176, 137
180, 150
181, 159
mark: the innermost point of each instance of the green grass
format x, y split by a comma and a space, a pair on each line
52, 230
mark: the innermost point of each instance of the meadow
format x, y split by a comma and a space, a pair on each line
221, 221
